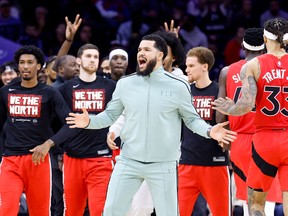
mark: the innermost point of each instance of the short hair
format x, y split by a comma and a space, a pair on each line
60, 62
254, 37
30, 50
176, 46
11, 64
278, 27
85, 47
160, 43
204, 56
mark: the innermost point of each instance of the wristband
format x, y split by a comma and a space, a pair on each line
208, 131
69, 40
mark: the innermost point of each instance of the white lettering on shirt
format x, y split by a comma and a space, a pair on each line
91, 99
274, 74
21, 105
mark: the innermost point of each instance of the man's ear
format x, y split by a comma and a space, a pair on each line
78, 61
205, 67
60, 70
160, 55
39, 67
265, 39
173, 59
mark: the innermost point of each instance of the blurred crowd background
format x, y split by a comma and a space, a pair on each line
216, 24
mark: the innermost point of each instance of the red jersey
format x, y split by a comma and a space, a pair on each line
272, 95
244, 123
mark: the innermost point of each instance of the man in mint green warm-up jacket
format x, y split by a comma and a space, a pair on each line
154, 102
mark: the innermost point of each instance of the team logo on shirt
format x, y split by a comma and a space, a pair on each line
24, 105
91, 99
203, 106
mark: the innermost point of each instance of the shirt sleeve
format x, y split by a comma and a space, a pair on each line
62, 111
118, 125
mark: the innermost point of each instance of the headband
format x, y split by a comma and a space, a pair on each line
253, 48
270, 35
118, 52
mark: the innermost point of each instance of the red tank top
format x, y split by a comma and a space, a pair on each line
244, 123
272, 94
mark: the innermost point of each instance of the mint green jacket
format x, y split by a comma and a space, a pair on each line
154, 106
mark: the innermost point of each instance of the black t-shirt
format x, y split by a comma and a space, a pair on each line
26, 113
94, 96
195, 149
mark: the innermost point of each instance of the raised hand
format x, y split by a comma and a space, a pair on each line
71, 28
172, 28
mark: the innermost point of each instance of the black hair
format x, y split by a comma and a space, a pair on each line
254, 36
60, 62
160, 43
278, 27
85, 47
11, 64
176, 47
30, 50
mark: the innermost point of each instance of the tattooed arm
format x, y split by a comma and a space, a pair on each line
249, 75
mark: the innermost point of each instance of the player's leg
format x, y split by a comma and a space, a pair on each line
256, 202
75, 190
215, 184
266, 157
98, 172
11, 185
142, 204
124, 182
162, 181
38, 186
188, 188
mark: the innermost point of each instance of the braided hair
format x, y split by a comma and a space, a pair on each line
278, 27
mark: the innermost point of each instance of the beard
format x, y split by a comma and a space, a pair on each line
118, 72
26, 78
148, 70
